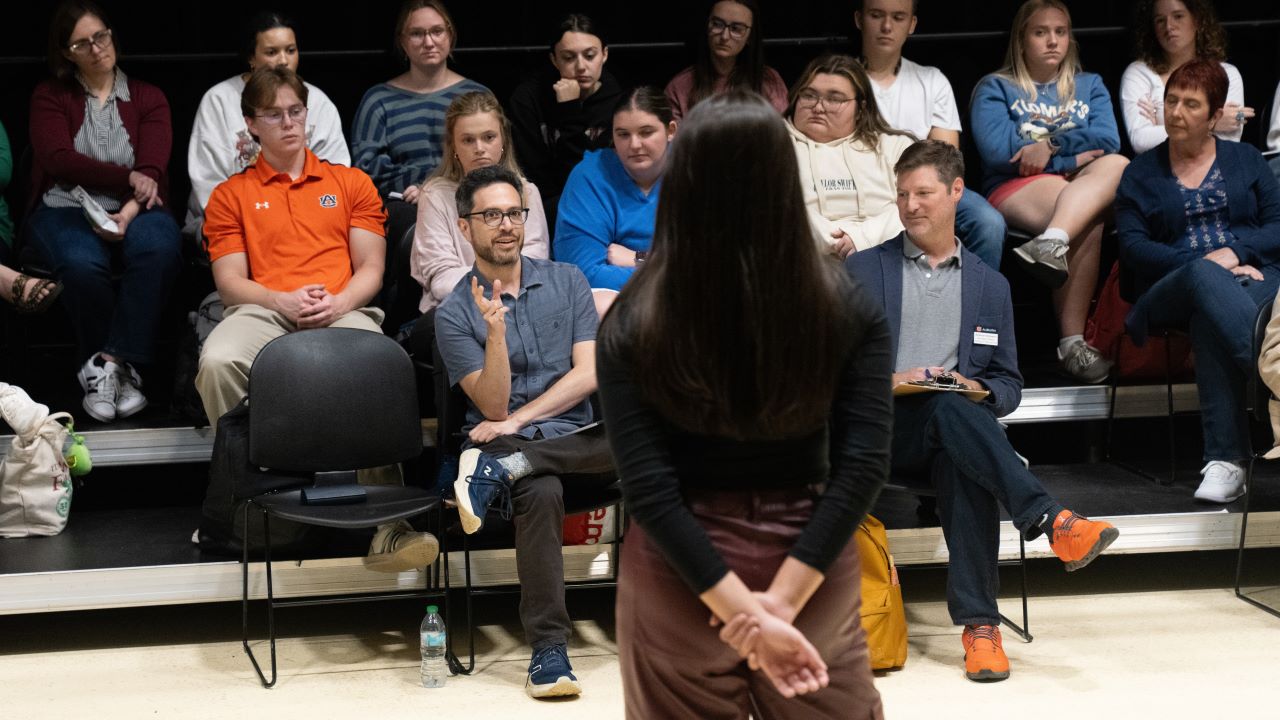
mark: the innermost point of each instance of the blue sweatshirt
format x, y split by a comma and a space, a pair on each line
601, 204
1004, 120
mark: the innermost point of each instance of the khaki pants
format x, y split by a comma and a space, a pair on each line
223, 378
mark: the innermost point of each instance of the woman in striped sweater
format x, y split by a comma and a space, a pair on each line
399, 128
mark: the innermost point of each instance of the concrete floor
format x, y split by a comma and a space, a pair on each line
1133, 637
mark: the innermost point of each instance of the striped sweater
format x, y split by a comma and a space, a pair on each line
398, 134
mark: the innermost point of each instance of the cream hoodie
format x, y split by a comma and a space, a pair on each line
851, 187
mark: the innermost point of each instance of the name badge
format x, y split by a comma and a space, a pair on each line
985, 336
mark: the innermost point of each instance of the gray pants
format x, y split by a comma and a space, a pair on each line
577, 461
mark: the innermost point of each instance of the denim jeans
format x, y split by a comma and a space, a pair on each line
981, 228
1218, 310
959, 445
119, 321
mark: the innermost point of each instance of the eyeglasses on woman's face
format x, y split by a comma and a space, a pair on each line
808, 99
736, 30
100, 40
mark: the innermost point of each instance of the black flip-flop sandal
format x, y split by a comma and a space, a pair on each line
26, 302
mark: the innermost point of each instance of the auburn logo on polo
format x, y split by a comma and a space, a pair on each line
329, 200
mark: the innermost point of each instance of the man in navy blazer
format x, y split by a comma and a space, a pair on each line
950, 315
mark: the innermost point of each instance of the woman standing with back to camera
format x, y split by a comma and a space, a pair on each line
747, 459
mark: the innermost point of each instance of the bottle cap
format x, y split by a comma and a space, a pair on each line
433, 608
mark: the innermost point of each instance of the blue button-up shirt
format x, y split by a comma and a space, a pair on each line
552, 310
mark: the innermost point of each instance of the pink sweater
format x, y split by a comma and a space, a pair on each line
678, 90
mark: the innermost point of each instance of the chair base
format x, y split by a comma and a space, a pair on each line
1244, 526
436, 586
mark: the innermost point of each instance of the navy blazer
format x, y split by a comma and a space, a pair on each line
984, 302
1151, 218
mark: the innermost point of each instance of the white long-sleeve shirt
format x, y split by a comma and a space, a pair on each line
221, 145
1140, 81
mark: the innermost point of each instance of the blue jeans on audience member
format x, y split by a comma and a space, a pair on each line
119, 321
1218, 310
961, 448
981, 228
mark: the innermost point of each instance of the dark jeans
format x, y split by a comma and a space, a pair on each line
1218, 310
121, 322
580, 461
981, 228
959, 445
674, 664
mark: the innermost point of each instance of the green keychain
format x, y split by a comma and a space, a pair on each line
78, 460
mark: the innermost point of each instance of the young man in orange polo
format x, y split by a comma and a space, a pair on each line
295, 243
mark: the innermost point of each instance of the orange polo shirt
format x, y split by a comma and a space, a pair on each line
294, 232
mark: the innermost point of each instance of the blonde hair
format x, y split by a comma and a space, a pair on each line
1015, 64
466, 105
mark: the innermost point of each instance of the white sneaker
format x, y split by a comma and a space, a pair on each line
101, 383
1223, 482
129, 399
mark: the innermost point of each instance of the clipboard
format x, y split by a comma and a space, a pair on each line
916, 387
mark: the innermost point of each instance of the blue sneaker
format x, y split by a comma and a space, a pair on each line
550, 674
480, 481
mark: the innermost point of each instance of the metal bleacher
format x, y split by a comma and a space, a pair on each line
132, 557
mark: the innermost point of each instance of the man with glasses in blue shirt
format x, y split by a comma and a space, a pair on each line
518, 334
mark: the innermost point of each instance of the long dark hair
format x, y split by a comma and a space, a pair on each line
748, 67
261, 22
733, 324
64, 21
1211, 39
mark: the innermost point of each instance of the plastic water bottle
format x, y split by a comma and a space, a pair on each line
434, 666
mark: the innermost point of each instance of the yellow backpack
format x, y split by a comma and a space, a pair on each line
883, 615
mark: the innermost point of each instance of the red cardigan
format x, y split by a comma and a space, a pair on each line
57, 112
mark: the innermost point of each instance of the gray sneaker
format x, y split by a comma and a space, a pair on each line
397, 548
1083, 362
1045, 259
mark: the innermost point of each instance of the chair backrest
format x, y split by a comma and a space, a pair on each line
332, 399
1259, 393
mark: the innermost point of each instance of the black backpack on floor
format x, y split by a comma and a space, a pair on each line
232, 481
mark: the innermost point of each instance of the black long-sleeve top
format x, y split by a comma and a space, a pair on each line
658, 461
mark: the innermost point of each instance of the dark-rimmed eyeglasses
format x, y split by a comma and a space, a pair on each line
494, 218
810, 99
737, 30
275, 117
100, 40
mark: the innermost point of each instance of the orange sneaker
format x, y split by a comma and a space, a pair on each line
984, 658
1077, 540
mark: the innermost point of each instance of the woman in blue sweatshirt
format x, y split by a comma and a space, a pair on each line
1047, 136
605, 220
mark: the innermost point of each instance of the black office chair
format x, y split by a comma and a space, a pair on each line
1259, 396
451, 404
920, 487
324, 404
